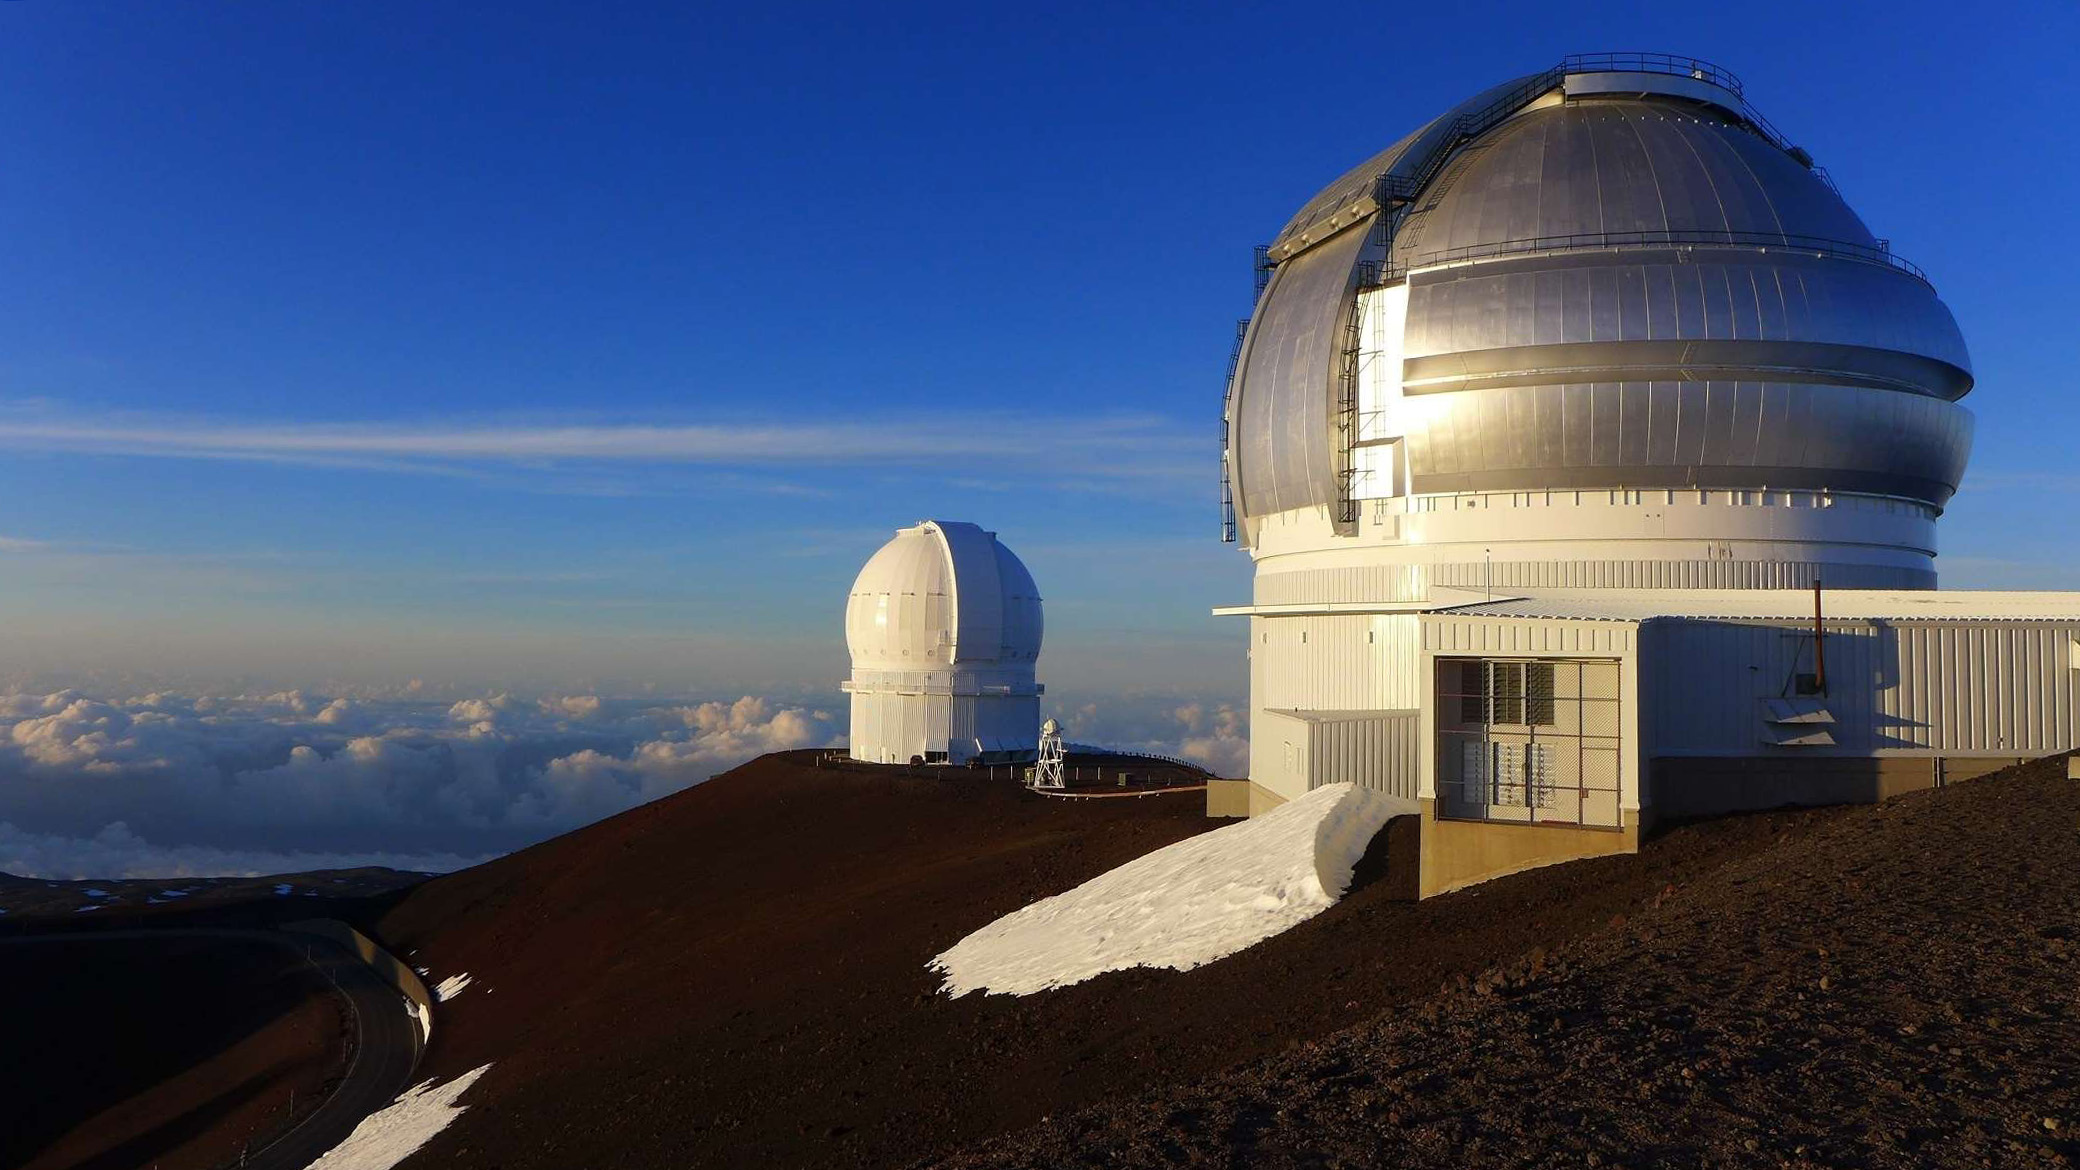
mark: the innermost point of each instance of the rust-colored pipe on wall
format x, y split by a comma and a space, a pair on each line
1819, 643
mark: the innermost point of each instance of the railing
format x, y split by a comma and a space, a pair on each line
1394, 192
1672, 64
1227, 425
1589, 241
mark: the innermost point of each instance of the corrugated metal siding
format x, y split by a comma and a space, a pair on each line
1997, 689
1947, 688
1378, 752
1447, 633
1378, 583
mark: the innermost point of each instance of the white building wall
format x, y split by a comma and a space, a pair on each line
1293, 753
894, 728
1957, 688
1336, 662
1330, 664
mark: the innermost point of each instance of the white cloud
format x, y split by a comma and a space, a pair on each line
1115, 447
192, 784
1210, 733
1218, 742
222, 780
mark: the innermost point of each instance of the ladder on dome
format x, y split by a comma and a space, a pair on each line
1260, 268
1395, 194
1227, 429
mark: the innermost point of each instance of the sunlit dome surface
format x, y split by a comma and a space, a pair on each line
1616, 275
943, 594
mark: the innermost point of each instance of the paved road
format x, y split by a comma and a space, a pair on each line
386, 1038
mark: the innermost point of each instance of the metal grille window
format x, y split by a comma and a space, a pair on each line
1529, 740
1516, 775
1506, 692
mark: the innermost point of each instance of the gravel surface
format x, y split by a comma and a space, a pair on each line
736, 975
1891, 986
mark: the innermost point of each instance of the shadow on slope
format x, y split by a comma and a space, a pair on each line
736, 974
171, 1052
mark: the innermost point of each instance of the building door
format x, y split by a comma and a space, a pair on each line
1528, 740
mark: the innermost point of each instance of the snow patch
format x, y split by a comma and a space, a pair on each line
424, 1015
389, 1136
1185, 904
450, 987
97, 893
282, 890
84, 909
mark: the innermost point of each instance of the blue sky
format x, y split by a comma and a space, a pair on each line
595, 346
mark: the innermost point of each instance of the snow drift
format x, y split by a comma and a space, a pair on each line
389, 1136
1183, 905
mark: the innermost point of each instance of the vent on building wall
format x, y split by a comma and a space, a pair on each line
1801, 722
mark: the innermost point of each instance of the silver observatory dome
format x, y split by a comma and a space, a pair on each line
1613, 277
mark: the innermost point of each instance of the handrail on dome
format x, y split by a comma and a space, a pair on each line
1671, 64
1398, 187
1592, 241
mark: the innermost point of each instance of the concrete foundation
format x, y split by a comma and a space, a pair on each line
1692, 786
1460, 853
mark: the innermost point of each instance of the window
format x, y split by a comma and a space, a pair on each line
1515, 693
1529, 741
1473, 692
1511, 775
1538, 694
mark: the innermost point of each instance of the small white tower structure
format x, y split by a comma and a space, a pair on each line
944, 628
1047, 770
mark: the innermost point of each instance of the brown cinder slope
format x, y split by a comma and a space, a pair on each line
735, 975
178, 1052
728, 975
1899, 987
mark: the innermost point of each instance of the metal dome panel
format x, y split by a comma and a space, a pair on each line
1782, 312
1689, 435
942, 594
1604, 287
1619, 167
1283, 457
978, 590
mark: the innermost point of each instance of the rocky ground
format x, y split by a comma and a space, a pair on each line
1898, 987
735, 975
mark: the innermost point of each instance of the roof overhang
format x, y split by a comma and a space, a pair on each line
1441, 598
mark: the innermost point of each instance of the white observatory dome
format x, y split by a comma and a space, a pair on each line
938, 593
944, 628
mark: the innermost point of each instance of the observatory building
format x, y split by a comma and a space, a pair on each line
944, 628
1590, 451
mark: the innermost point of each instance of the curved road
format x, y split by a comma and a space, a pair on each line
387, 1042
